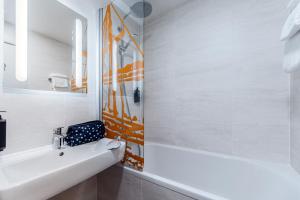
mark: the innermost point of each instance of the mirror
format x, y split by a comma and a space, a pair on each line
48, 51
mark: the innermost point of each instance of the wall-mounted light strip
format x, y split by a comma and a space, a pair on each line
21, 39
78, 80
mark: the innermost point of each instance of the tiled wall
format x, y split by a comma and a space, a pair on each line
31, 117
214, 79
117, 184
83, 191
295, 120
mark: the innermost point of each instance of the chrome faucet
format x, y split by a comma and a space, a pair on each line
58, 139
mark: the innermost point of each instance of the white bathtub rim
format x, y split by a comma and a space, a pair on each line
285, 170
174, 186
225, 156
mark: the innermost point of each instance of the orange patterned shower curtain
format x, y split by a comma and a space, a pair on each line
122, 82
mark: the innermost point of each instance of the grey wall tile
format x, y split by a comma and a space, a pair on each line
214, 79
295, 121
151, 191
251, 140
83, 191
115, 184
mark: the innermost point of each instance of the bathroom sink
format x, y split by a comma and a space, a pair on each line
42, 173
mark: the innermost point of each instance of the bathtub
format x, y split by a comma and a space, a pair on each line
209, 176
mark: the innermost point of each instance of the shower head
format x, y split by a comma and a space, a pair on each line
141, 9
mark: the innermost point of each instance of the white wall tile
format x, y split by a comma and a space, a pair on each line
31, 117
214, 78
261, 107
264, 142
214, 137
295, 119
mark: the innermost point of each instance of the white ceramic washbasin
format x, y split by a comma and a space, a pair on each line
42, 173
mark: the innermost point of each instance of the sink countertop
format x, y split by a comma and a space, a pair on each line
42, 173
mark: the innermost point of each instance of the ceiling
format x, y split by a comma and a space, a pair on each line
161, 7
47, 17
96, 3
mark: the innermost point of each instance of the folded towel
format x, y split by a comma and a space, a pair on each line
291, 60
85, 133
292, 5
292, 24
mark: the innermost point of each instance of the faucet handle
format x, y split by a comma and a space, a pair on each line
58, 130
2, 111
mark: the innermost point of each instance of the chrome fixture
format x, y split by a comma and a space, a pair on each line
141, 9
58, 139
